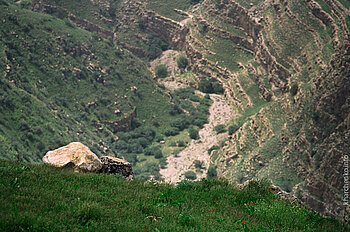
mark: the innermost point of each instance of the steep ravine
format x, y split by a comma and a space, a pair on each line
297, 127
220, 113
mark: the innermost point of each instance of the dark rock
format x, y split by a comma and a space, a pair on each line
113, 165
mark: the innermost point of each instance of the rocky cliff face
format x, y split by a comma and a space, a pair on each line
329, 133
285, 68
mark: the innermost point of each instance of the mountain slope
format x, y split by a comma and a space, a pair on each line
60, 84
284, 69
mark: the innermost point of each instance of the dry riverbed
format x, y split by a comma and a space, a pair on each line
220, 113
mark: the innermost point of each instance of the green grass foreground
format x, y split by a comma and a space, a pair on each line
43, 198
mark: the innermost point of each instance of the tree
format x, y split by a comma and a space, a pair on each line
205, 86
217, 87
161, 71
182, 62
196, 1
212, 173
294, 89
220, 128
210, 86
191, 175
193, 133
232, 129
171, 131
198, 164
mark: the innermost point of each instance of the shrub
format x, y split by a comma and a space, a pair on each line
163, 162
172, 144
217, 87
205, 86
24, 126
26, 4
195, 98
142, 25
161, 71
184, 93
212, 148
175, 109
181, 143
131, 158
153, 151
190, 175
171, 131
220, 128
143, 142
158, 154
193, 133
180, 123
198, 164
182, 62
159, 138
212, 173
155, 46
232, 129
121, 145
196, 1
134, 147
210, 86
294, 89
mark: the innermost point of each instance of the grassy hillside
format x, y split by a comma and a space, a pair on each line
166, 8
42, 198
60, 84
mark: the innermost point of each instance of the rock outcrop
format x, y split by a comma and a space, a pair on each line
76, 156
80, 158
113, 165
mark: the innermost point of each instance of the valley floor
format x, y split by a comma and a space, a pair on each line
220, 113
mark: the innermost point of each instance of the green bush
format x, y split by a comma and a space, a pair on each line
131, 158
171, 131
198, 164
294, 89
161, 71
159, 138
175, 109
172, 144
210, 86
212, 173
163, 162
158, 154
196, 1
212, 148
182, 62
232, 129
181, 143
205, 86
180, 123
193, 133
154, 151
26, 4
155, 46
134, 147
217, 87
190, 175
220, 128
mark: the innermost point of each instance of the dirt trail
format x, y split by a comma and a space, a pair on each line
220, 113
